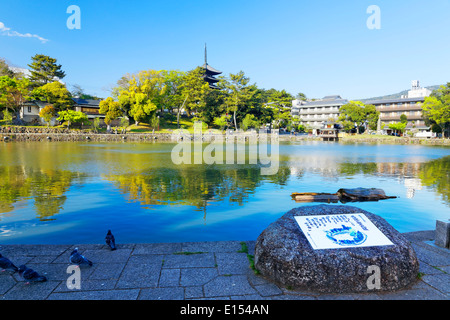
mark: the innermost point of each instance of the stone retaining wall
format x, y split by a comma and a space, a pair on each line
83, 137
63, 134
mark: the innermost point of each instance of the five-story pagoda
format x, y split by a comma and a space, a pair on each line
210, 72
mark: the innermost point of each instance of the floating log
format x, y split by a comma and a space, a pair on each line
343, 195
315, 197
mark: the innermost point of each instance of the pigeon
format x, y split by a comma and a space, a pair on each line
110, 240
29, 274
6, 264
78, 259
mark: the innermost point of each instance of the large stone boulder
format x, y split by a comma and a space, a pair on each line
284, 255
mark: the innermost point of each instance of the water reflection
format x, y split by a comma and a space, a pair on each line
436, 175
197, 186
40, 175
201, 186
46, 187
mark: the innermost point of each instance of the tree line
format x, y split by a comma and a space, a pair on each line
236, 104
42, 84
149, 94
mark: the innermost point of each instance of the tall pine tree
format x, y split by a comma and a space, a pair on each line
44, 69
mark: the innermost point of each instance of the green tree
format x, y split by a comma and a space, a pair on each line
7, 117
171, 97
238, 95
141, 108
44, 69
47, 113
372, 116
13, 94
403, 118
54, 93
5, 70
356, 113
72, 117
141, 94
398, 127
249, 122
194, 90
281, 98
111, 110
96, 124
221, 121
301, 128
436, 108
300, 96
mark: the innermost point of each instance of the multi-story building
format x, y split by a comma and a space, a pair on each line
410, 105
316, 114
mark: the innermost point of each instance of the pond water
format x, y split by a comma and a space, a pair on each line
73, 192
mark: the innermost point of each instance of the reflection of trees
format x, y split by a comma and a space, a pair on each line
194, 185
46, 187
349, 169
436, 174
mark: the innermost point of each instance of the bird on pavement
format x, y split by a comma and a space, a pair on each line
30, 275
6, 264
110, 240
79, 259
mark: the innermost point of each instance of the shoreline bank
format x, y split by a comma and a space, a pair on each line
167, 137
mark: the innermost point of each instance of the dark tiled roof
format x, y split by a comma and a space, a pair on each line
211, 70
84, 102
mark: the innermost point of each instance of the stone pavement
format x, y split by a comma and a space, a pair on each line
190, 271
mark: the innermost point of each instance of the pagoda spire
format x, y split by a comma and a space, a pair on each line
210, 72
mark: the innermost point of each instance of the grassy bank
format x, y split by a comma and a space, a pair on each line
393, 140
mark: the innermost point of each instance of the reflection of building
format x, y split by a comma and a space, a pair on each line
394, 168
314, 114
409, 105
412, 184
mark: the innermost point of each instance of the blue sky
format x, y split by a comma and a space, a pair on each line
316, 47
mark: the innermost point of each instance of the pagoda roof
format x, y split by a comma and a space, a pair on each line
211, 70
210, 79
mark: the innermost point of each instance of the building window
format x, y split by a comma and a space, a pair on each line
29, 109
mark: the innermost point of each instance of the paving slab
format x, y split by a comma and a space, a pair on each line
194, 260
131, 294
162, 294
233, 285
32, 291
232, 263
169, 278
197, 276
